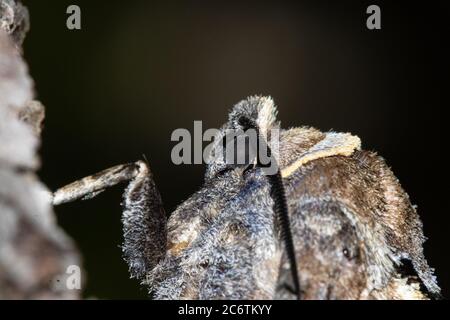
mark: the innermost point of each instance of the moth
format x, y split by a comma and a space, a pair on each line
333, 223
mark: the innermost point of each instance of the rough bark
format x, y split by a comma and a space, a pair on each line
35, 253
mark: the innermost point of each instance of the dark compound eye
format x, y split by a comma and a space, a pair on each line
347, 253
223, 171
351, 254
248, 170
204, 264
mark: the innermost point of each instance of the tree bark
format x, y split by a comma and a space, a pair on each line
35, 253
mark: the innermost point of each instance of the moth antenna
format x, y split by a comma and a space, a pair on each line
145, 158
278, 195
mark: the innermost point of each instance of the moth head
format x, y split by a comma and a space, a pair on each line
222, 241
261, 111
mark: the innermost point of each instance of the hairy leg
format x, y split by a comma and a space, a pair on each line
144, 219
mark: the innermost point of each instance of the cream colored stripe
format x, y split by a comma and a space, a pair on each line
334, 144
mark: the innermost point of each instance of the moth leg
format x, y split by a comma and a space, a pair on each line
91, 186
143, 217
144, 224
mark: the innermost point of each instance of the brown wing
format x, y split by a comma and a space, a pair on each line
355, 231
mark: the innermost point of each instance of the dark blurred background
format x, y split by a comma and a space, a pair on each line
137, 70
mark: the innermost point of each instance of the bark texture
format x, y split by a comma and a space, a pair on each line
35, 254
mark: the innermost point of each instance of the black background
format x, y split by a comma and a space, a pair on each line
137, 70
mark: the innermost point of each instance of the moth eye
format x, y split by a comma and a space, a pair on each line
204, 264
248, 170
223, 171
347, 253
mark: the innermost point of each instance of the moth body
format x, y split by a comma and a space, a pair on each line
353, 227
